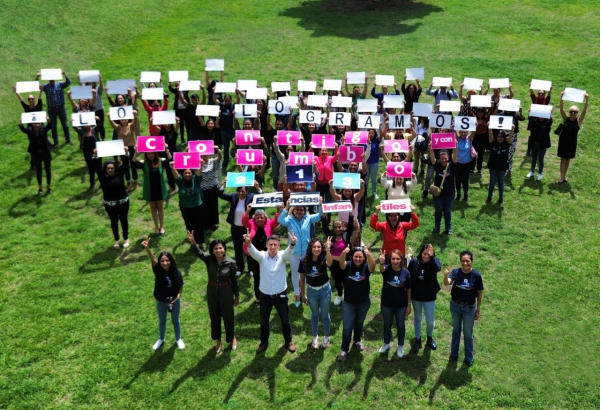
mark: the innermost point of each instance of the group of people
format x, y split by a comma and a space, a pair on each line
409, 283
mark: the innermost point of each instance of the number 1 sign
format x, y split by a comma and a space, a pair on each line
298, 173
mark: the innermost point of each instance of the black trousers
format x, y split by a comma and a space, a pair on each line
93, 166
237, 236
210, 200
220, 306
480, 141
46, 158
192, 217
118, 213
338, 277
183, 123
280, 302
100, 124
462, 177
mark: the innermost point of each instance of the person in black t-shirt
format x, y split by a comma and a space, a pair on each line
115, 198
498, 162
168, 285
443, 203
467, 286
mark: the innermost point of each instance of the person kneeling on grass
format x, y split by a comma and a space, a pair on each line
168, 285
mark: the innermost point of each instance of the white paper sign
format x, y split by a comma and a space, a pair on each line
246, 110
501, 122
399, 122
89, 76
225, 88
401, 206
334, 85
340, 118
415, 73
369, 121
440, 121
499, 83
81, 119
543, 85
271, 200
189, 85
508, 104
540, 111
422, 110
28, 86
278, 107
573, 94
152, 94
163, 117
309, 117
306, 85
256, 94
291, 101
110, 148
341, 102
472, 84
150, 77
387, 80
393, 101
121, 113
366, 105
277, 86
117, 87
79, 92
465, 123
317, 100
484, 101
442, 81
207, 110
450, 106
214, 64
245, 85
51, 74
33, 117
175, 76
356, 77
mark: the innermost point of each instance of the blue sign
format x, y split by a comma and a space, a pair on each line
346, 180
299, 173
238, 179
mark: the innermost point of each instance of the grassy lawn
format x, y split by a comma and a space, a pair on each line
78, 318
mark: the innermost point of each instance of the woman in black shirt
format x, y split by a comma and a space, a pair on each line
168, 285
498, 162
39, 148
115, 198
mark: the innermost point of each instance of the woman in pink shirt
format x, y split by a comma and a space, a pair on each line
324, 164
155, 129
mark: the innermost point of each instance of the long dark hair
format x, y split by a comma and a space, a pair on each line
173, 267
358, 249
403, 184
308, 259
107, 163
425, 247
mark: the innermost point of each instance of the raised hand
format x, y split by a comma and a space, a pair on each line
382, 257
293, 238
146, 242
190, 236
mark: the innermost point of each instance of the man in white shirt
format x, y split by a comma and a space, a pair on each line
273, 286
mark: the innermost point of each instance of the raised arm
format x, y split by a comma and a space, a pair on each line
585, 106
342, 260
334, 194
145, 244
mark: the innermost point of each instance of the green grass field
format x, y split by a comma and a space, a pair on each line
78, 318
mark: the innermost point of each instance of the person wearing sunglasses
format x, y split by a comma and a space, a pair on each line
567, 141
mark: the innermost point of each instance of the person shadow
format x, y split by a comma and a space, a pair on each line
564, 188
352, 364
489, 210
307, 362
110, 258
532, 184
260, 367
27, 205
209, 364
452, 377
157, 362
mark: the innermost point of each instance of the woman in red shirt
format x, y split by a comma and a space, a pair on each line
393, 230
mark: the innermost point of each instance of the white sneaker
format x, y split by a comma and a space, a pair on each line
180, 344
158, 344
126, 243
375, 195
238, 274
384, 348
529, 175
315, 342
400, 352
539, 178
116, 245
338, 300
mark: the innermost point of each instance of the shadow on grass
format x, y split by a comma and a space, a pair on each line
158, 362
210, 363
111, 257
352, 364
490, 209
452, 377
260, 367
564, 188
83, 197
532, 184
359, 19
27, 205
307, 362
80, 172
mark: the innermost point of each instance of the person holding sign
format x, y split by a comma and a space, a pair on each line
125, 130
259, 227
84, 105
411, 94
539, 142
298, 223
467, 286
269, 137
373, 162
98, 103
567, 140
464, 145
480, 140
210, 130
441, 94
194, 124
395, 298
39, 148
517, 116
55, 100
225, 122
168, 285
324, 169
399, 188
88, 136
122, 101
357, 299
424, 288
498, 162
190, 201
542, 99
356, 95
348, 195
394, 231
150, 109
211, 179
282, 158
383, 93
115, 198
180, 108
222, 290
154, 187
31, 105
445, 171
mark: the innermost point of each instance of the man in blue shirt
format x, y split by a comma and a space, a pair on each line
443, 93
55, 99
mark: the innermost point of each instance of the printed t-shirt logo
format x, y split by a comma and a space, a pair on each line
395, 282
357, 277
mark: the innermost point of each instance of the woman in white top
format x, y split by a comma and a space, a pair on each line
398, 188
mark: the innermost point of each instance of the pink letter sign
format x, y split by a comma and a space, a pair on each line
288, 137
186, 160
356, 137
351, 154
323, 141
444, 140
395, 146
247, 137
249, 157
151, 144
399, 169
301, 158
206, 147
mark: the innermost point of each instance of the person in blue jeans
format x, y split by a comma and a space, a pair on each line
168, 285
357, 298
498, 162
465, 306
373, 163
445, 174
315, 289
395, 298
55, 99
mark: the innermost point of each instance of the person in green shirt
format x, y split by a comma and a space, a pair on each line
190, 201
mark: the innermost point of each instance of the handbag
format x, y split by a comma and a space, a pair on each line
436, 191
473, 152
559, 129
